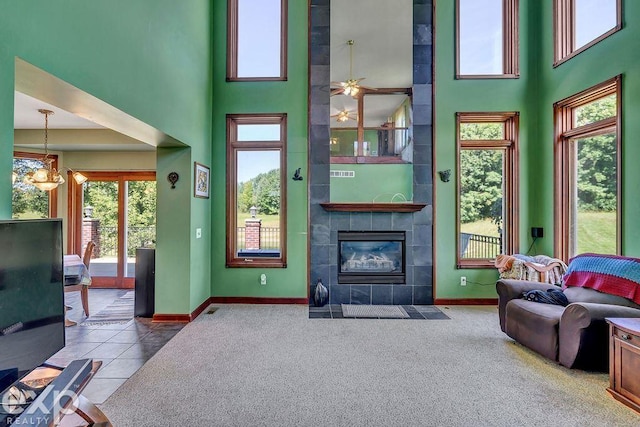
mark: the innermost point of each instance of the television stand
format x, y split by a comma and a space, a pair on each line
57, 396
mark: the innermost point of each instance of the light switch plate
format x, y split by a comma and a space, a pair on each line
198, 233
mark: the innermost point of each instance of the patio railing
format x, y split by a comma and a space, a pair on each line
269, 238
137, 237
479, 246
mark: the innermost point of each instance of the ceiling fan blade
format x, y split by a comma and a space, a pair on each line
337, 91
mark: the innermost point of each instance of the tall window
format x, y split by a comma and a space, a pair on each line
579, 24
29, 202
257, 40
588, 171
487, 187
487, 39
256, 190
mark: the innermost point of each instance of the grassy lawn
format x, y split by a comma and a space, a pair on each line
267, 220
483, 227
596, 231
30, 215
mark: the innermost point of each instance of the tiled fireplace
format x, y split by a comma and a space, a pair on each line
409, 281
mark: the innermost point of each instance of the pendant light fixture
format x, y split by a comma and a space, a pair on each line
47, 177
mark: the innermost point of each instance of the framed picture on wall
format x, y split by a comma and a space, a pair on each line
200, 180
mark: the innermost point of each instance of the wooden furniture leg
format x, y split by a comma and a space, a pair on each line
91, 413
84, 295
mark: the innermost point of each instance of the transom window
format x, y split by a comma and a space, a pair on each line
588, 170
256, 189
487, 187
579, 24
487, 38
257, 40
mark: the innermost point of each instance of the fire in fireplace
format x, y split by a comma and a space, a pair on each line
373, 257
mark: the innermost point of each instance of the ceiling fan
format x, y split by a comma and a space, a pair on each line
350, 86
344, 115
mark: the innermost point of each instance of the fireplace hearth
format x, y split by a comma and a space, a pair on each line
371, 257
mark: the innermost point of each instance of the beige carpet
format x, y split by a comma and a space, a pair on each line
273, 366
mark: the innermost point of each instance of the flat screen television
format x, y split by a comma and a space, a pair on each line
31, 296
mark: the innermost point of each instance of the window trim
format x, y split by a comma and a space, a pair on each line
564, 131
233, 146
510, 43
564, 31
53, 194
511, 172
232, 44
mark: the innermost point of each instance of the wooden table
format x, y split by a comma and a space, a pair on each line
624, 361
76, 278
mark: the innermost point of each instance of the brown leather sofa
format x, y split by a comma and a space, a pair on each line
576, 336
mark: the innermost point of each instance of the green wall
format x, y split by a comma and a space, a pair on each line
533, 95
617, 54
263, 97
373, 182
152, 60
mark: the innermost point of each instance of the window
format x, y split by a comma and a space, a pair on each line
375, 127
588, 171
579, 24
29, 202
256, 189
257, 40
487, 187
487, 39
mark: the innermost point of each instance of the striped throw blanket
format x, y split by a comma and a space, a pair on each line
615, 275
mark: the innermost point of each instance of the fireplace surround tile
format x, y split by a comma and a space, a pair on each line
422, 295
360, 221
340, 294
402, 295
361, 294
324, 225
382, 294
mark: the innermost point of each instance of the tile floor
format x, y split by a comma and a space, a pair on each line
416, 312
122, 347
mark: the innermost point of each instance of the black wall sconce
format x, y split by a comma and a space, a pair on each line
445, 175
297, 176
173, 177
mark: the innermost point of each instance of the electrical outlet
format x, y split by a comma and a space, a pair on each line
263, 279
463, 281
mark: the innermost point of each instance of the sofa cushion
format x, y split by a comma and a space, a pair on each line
577, 294
534, 325
615, 275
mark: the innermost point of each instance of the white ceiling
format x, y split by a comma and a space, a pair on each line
382, 54
382, 31
61, 125
26, 115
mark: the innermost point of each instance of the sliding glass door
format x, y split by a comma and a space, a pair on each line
117, 211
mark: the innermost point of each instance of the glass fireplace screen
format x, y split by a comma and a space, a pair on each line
371, 257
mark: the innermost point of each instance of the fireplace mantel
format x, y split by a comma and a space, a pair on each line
373, 207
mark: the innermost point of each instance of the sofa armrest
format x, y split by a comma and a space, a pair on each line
509, 289
584, 334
